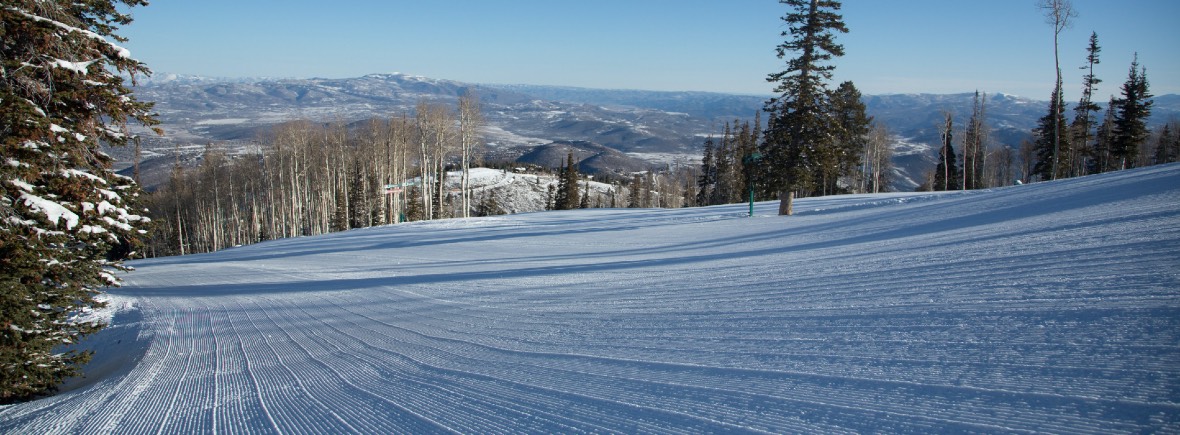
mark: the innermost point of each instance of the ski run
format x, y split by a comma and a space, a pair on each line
1050, 307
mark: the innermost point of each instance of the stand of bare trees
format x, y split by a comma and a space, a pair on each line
877, 160
313, 178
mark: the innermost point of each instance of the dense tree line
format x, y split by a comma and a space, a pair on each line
566, 196
728, 165
314, 178
859, 160
67, 221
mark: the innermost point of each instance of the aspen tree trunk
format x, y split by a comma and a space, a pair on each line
470, 121
423, 120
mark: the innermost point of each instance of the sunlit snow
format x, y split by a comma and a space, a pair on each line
1045, 307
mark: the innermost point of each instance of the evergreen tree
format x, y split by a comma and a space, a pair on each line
560, 202
414, 208
748, 144
723, 192
573, 198
340, 215
1086, 111
852, 135
707, 181
489, 205
1166, 144
1100, 155
634, 196
585, 202
1130, 118
438, 200
566, 195
800, 127
69, 220
358, 196
1050, 143
946, 173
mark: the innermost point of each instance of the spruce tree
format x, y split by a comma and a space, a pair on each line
1086, 111
848, 109
585, 202
1051, 141
800, 128
1165, 146
560, 202
1130, 117
68, 219
572, 197
707, 181
1100, 155
634, 195
946, 173
566, 195
723, 192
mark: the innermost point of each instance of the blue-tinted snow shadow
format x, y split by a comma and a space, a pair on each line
944, 215
117, 349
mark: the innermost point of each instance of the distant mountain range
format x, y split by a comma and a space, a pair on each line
647, 128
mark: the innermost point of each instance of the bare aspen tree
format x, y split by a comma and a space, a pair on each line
879, 157
374, 143
443, 144
435, 129
975, 145
401, 134
470, 122
1058, 13
422, 123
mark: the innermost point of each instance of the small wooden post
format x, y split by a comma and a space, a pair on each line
786, 205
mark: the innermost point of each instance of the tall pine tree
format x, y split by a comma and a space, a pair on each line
800, 128
566, 196
1086, 112
707, 181
1130, 117
68, 219
1100, 155
1166, 146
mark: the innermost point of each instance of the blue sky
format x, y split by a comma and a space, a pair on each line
903, 46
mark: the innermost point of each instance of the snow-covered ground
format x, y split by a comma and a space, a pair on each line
1048, 307
522, 192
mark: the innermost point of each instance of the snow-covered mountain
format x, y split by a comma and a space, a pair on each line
1050, 307
654, 126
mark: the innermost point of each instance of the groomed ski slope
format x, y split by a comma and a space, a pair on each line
1047, 307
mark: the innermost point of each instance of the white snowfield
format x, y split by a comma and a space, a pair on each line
1048, 307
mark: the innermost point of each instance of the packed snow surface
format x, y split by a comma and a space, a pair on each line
1047, 307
